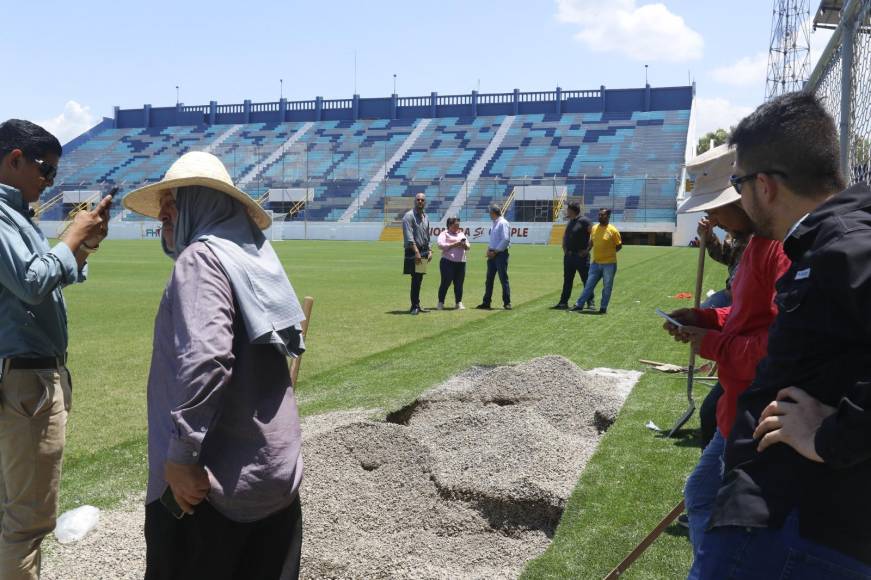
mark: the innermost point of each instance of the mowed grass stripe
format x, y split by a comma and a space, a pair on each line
365, 352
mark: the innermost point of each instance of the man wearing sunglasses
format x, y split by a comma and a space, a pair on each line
35, 383
794, 499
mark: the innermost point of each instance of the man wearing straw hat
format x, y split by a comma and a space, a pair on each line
35, 390
735, 336
222, 418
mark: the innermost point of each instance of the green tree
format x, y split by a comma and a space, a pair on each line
719, 136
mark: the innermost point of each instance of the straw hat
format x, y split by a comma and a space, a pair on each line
711, 187
194, 168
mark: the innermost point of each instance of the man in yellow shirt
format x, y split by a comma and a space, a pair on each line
606, 242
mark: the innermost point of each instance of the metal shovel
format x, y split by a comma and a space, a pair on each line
691, 367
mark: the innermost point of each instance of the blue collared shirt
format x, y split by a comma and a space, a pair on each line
500, 235
32, 309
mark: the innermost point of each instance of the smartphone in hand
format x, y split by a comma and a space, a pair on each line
169, 502
668, 318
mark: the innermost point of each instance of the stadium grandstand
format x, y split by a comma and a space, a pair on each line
351, 167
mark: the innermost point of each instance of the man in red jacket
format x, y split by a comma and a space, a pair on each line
736, 336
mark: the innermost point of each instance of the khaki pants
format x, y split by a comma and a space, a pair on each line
33, 414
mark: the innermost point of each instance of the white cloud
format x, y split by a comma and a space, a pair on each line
718, 113
750, 71
75, 120
644, 33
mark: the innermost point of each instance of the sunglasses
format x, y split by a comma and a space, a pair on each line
46, 169
738, 182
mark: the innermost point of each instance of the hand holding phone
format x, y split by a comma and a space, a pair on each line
659, 312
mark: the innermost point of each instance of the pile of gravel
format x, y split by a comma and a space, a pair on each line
468, 481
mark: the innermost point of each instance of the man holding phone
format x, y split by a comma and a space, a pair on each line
735, 336
35, 383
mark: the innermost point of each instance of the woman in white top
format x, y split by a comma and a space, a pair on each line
454, 246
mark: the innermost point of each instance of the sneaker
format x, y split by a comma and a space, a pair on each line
507, 307
414, 310
591, 305
683, 521
560, 306
460, 306
483, 307
440, 306
603, 311
576, 308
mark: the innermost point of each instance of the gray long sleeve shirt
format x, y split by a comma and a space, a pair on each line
218, 400
415, 229
31, 277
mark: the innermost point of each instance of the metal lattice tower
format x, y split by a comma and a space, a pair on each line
789, 51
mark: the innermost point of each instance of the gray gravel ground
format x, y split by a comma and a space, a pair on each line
469, 481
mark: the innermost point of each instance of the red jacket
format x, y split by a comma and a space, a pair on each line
738, 335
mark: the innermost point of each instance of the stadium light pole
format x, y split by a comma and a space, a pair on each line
176, 95
281, 92
394, 83
645, 75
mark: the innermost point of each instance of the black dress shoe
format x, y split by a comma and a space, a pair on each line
414, 311
506, 306
576, 308
483, 307
560, 306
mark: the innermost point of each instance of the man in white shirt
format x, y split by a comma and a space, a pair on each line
497, 259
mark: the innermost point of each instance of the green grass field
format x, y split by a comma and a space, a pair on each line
365, 351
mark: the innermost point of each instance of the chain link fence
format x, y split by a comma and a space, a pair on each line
842, 81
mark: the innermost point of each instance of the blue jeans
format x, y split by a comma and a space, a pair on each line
597, 272
719, 299
701, 489
497, 264
763, 553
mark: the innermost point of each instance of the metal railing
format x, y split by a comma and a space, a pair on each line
842, 81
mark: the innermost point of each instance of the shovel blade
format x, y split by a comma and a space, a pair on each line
683, 419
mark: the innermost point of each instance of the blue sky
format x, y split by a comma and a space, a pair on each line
68, 63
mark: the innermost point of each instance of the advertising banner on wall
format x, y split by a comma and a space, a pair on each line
521, 232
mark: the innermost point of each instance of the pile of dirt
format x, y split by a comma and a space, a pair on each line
468, 481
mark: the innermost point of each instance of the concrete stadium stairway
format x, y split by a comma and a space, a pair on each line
382, 172
274, 156
478, 168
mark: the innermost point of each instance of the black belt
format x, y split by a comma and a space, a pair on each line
43, 362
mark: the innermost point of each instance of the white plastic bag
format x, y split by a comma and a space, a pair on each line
75, 524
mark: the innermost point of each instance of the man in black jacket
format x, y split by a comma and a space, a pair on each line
798, 460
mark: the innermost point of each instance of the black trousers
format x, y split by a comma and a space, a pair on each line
452, 273
708, 414
572, 264
416, 283
207, 545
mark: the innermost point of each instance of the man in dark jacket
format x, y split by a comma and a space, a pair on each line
576, 254
798, 459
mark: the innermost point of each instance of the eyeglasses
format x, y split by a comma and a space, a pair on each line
737, 182
46, 169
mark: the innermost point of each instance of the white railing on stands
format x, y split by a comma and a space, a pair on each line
264, 107
492, 99
301, 106
530, 97
414, 102
337, 104
454, 100
231, 108
581, 95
